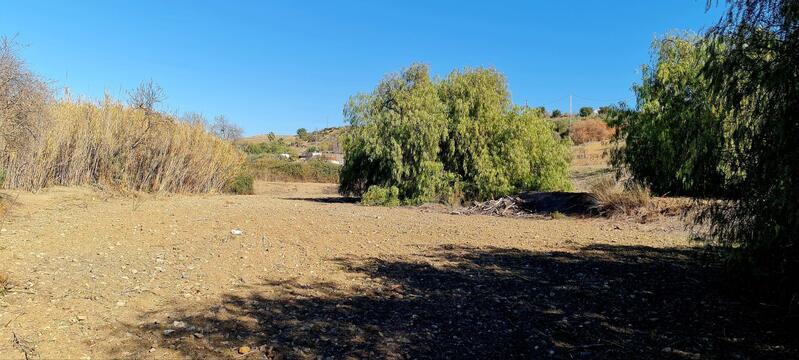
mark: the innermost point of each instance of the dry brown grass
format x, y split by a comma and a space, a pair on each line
111, 145
615, 198
5, 206
5, 283
590, 130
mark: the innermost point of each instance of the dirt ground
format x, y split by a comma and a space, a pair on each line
313, 276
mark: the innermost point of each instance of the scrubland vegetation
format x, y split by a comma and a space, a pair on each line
297, 271
271, 168
47, 141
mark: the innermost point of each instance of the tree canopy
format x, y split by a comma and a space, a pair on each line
440, 140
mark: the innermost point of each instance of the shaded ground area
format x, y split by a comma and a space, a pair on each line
482, 303
94, 275
570, 203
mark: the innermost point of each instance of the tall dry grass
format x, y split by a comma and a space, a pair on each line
614, 197
116, 146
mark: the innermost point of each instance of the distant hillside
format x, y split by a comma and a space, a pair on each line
324, 140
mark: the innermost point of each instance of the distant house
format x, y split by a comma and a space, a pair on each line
310, 155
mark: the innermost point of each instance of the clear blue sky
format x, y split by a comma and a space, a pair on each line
278, 66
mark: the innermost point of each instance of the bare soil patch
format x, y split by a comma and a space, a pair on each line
98, 276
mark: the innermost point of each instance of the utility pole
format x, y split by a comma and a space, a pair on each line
570, 110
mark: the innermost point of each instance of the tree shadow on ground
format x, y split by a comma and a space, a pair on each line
326, 199
483, 303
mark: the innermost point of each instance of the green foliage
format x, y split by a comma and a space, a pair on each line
303, 134
241, 184
562, 126
277, 146
381, 196
271, 168
586, 111
556, 113
675, 139
394, 137
443, 140
755, 79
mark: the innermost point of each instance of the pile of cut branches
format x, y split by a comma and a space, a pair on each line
504, 206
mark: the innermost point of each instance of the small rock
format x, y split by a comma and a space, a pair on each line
236, 232
198, 335
244, 349
120, 303
179, 324
81, 318
168, 331
152, 349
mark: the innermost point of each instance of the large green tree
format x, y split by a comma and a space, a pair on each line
675, 140
394, 137
755, 77
432, 139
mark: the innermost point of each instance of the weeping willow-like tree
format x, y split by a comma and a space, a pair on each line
756, 77
675, 140
439, 140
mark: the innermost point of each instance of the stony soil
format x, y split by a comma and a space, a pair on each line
99, 276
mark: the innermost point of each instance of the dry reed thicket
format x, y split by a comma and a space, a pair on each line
113, 145
47, 142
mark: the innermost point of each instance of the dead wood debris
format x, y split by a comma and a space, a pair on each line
504, 206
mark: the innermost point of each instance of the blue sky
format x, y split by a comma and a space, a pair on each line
277, 66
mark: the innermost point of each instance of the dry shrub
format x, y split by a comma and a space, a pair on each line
590, 130
110, 144
615, 198
24, 99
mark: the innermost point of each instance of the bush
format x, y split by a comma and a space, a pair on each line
590, 130
267, 147
242, 184
303, 134
556, 113
424, 137
586, 111
25, 99
381, 196
270, 168
675, 140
